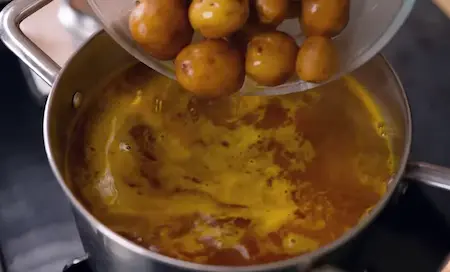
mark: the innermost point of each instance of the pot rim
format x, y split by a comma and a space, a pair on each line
304, 260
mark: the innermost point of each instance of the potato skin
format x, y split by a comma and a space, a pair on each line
241, 38
272, 12
161, 27
317, 59
218, 18
324, 17
210, 68
271, 58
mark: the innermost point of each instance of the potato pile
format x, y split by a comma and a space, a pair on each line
241, 38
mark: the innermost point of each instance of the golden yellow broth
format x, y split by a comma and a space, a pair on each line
231, 181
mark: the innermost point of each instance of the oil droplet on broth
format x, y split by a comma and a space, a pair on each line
381, 129
124, 147
293, 243
158, 105
193, 114
244, 190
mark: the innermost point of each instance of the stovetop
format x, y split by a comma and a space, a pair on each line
37, 232
411, 234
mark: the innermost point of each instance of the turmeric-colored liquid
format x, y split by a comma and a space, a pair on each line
230, 181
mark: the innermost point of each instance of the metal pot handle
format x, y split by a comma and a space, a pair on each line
13, 37
432, 175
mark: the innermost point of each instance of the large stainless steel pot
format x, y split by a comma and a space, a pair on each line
97, 59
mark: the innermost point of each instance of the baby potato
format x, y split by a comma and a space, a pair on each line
272, 12
270, 58
218, 18
241, 38
324, 17
210, 68
317, 59
153, 26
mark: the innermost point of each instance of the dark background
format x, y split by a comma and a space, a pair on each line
36, 226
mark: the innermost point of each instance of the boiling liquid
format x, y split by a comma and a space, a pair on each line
230, 181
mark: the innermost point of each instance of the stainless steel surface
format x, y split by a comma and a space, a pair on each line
75, 261
80, 24
429, 174
11, 35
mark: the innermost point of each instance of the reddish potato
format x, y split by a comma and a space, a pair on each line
317, 59
270, 58
153, 26
324, 17
272, 12
218, 18
210, 68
